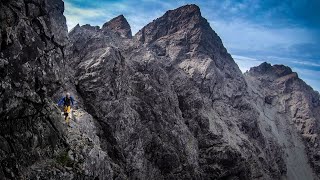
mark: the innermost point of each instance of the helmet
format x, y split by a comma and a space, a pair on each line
68, 94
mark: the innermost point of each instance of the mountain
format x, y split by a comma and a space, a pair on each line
119, 25
167, 103
294, 101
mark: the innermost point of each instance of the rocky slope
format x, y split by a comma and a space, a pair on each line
177, 105
167, 103
33, 36
34, 142
294, 106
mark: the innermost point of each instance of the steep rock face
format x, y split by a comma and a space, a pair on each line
33, 35
296, 102
212, 95
187, 40
119, 25
128, 140
34, 141
171, 102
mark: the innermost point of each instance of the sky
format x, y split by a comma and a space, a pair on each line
253, 31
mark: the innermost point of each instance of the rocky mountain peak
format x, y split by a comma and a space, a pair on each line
266, 68
187, 11
81, 33
119, 25
187, 39
182, 19
89, 27
75, 28
282, 70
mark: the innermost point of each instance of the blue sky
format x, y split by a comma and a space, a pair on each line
279, 32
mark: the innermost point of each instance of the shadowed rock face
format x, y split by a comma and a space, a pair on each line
32, 39
168, 103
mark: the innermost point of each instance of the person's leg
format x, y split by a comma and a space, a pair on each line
68, 115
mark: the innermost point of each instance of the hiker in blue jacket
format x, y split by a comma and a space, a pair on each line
66, 101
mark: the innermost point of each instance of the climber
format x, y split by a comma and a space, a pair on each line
66, 101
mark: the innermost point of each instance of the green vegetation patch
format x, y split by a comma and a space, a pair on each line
64, 160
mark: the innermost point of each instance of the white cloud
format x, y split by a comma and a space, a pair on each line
136, 15
87, 12
239, 35
245, 63
75, 15
315, 75
311, 77
307, 63
162, 4
93, 16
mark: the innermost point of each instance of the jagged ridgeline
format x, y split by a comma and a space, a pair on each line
166, 103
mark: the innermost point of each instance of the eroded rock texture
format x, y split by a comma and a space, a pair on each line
33, 36
292, 108
172, 104
119, 25
167, 103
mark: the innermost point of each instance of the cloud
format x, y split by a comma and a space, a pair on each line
309, 50
87, 12
271, 13
245, 63
310, 64
239, 35
75, 15
311, 77
307, 63
137, 13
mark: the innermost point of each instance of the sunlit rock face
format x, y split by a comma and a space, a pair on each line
166, 103
295, 108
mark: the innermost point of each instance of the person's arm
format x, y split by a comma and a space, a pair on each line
61, 101
72, 100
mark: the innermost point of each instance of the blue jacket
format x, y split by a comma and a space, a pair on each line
62, 101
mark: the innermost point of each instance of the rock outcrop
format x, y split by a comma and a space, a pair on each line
294, 103
168, 103
119, 25
32, 40
34, 142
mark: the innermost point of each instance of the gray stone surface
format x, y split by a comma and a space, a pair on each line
168, 103
292, 108
32, 39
